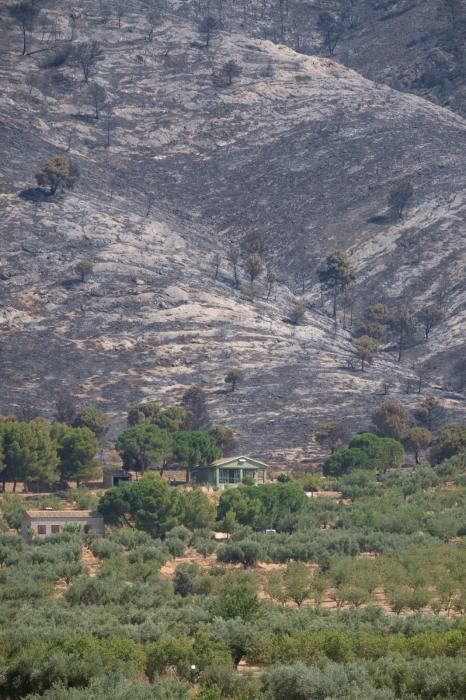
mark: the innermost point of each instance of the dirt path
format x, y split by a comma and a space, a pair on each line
244, 667
90, 561
191, 556
59, 589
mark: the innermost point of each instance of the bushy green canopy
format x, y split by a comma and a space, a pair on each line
147, 445
144, 413
29, 452
365, 451
151, 504
143, 446
266, 506
93, 418
192, 448
77, 450
449, 441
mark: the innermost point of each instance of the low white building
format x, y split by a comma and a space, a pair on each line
42, 523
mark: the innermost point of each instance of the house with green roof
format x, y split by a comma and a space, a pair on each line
230, 471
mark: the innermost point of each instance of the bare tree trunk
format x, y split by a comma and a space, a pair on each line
400, 347
109, 129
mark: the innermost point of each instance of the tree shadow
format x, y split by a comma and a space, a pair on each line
71, 283
86, 118
380, 219
34, 194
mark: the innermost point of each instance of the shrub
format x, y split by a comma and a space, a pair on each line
237, 599
112, 686
130, 538
300, 682
343, 461
184, 583
247, 553
182, 654
175, 546
97, 591
58, 174
13, 508
104, 548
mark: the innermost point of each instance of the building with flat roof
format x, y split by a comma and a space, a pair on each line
42, 523
116, 477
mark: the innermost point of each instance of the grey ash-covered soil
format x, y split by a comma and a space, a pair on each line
299, 150
415, 46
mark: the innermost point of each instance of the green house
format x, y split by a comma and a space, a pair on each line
230, 471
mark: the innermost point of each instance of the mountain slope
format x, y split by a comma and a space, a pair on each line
415, 46
299, 153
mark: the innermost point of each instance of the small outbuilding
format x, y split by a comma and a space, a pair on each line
42, 523
230, 471
116, 477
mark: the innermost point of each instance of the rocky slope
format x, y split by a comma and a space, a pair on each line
299, 152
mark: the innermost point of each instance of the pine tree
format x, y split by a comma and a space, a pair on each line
336, 276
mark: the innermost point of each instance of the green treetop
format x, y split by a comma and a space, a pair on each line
77, 450
144, 446
149, 504
192, 448
93, 418
29, 452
